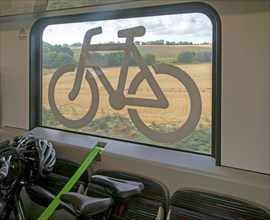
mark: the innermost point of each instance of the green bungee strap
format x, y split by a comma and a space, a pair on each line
50, 209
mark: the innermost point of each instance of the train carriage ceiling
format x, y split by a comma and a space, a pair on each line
17, 7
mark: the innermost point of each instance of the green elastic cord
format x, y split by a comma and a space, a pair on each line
50, 209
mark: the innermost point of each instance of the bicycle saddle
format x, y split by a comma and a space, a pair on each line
87, 205
118, 188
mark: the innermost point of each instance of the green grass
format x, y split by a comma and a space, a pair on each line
120, 127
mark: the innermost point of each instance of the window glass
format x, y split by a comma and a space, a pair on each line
15, 7
141, 79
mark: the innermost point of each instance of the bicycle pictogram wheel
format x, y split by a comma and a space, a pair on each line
195, 105
87, 118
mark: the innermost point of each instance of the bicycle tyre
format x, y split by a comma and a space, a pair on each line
88, 117
195, 105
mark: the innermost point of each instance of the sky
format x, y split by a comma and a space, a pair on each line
193, 27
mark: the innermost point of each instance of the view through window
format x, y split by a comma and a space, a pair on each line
143, 79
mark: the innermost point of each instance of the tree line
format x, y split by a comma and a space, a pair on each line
194, 57
155, 42
55, 56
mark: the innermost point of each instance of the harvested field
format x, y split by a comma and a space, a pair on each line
177, 112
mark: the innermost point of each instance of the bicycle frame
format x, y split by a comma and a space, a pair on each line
117, 98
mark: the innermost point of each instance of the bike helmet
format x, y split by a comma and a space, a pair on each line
46, 157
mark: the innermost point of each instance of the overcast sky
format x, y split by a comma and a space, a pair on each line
194, 27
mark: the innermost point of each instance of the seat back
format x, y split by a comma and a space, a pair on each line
63, 170
193, 204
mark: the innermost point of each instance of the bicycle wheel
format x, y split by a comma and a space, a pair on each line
87, 118
195, 106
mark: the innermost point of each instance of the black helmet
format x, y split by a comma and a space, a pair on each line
46, 157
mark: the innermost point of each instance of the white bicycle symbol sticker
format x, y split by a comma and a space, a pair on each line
117, 99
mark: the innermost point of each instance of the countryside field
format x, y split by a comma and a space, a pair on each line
112, 123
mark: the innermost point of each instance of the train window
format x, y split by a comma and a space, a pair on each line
15, 7
147, 75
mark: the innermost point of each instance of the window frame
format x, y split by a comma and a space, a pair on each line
35, 113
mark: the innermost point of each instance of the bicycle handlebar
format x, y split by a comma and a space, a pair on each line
95, 31
90, 33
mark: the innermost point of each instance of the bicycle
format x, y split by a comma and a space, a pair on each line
117, 99
27, 159
22, 162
